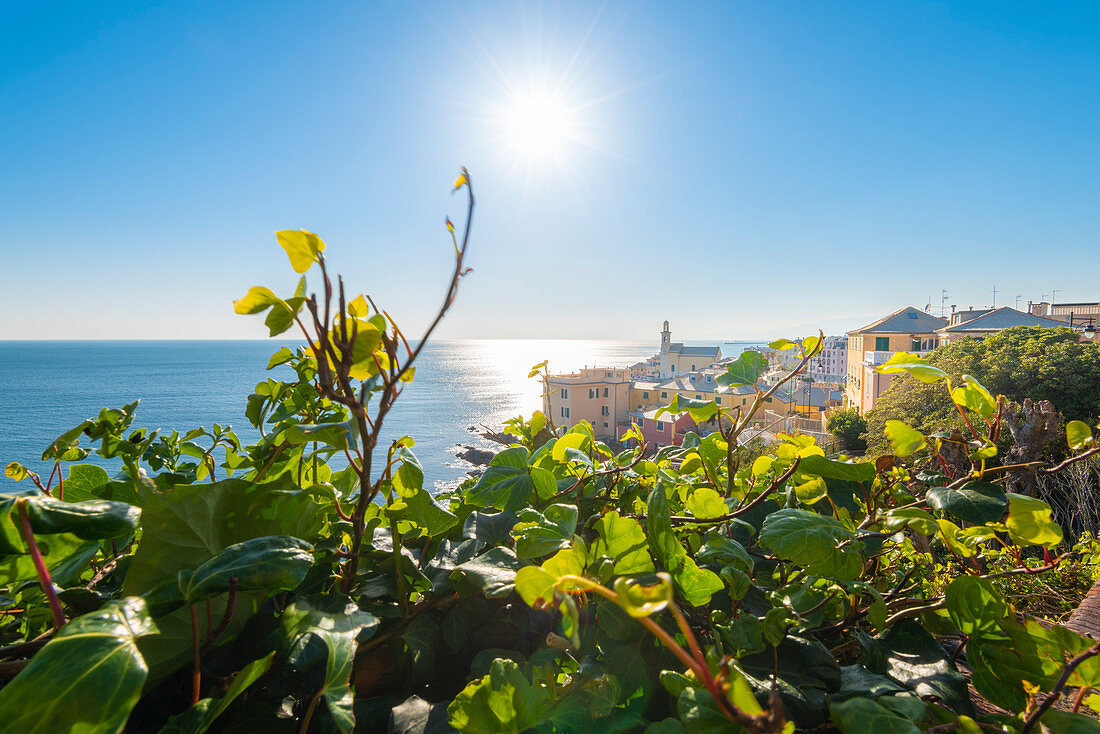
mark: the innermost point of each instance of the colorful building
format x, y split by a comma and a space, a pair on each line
675, 358
830, 364
905, 330
595, 394
989, 321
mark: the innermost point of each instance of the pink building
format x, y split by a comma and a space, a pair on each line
668, 430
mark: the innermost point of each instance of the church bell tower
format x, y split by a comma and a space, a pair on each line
666, 338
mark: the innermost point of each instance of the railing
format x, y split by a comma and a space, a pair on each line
877, 358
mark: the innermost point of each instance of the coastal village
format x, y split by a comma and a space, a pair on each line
842, 375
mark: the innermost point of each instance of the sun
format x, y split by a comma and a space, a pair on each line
538, 124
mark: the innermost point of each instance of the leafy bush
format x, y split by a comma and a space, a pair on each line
849, 426
570, 588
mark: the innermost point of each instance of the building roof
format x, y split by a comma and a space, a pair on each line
679, 348
689, 381
906, 320
819, 397
644, 385
1004, 317
673, 417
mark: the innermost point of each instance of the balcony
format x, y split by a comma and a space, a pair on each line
876, 358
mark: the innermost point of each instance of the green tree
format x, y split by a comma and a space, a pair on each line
1022, 362
849, 426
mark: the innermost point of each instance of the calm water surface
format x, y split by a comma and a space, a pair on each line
48, 387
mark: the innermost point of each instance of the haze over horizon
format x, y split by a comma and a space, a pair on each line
742, 170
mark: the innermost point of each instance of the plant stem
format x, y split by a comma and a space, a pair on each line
196, 662
402, 592
309, 713
40, 566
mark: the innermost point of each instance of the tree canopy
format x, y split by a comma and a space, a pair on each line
1022, 362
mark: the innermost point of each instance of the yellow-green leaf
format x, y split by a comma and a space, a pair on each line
16, 471
916, 366
811, 491
1030, 523
256, 300
705, 504
903, 439
1078, 434
358, 307
301, 247
639, 600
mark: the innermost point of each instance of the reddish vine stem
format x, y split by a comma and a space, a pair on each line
40, 566
230, 610
196, 656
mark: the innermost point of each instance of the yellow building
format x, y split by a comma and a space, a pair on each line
905, 330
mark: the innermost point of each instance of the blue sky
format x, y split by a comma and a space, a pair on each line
741, 169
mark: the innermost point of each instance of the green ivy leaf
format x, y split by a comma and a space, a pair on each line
706, 504
268, 564
974, 502
695, 584
507, 483
539, 533
1078, 435
330, 434
623, 539
1030, 523
87, 678
918, 367
745, 370
811, 540
976, 608
502, 702
866, 716
904, 439
973, 396
341, 633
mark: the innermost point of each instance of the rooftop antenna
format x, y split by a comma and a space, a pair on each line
943, 302
994, 296
1053, 295
928, 306
1018, 297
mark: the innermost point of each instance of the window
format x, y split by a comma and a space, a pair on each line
912, 316
916, 344
593, 393
693, 368
605, 424
698, 397
605, 410
564, 412
718, 400
708, 378
882, 344
660, 425
605, 392
664, 394
564, 393
645, 395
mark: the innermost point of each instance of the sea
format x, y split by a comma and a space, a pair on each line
460, 389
